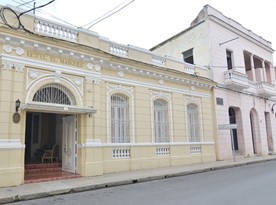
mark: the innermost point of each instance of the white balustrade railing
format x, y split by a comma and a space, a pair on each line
156, 60
118, 50
264, 87
189, 69
195, 149
121, 153
55, 30
161, 151
234, 75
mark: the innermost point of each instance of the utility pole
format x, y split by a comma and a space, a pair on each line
34, 8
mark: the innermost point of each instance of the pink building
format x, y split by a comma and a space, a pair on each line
242, 64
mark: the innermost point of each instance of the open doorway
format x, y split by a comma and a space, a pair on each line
53, 133
43, 130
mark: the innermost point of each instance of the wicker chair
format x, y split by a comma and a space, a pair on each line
51, 154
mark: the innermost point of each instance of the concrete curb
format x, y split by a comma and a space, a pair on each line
131, 180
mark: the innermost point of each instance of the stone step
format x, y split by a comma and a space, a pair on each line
43, 170
43, 177
42, 166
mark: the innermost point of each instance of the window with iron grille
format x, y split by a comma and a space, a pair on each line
193, 123
161, 124
119, 119
54, 93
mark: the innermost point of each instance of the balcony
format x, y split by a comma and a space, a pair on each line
265, 89
235, 80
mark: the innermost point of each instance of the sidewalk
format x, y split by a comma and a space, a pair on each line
45, 189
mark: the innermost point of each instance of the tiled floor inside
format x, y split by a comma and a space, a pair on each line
46, 172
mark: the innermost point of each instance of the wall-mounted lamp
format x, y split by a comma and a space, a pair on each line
17, 105
272, 110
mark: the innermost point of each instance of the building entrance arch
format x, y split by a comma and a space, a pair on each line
51, 121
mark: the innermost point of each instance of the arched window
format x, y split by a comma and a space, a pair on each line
193, 123
161, 124
55, 94
119, 119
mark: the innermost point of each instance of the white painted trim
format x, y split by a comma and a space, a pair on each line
49, 66
154, 87
196, 101
128, 91
65, 82
168, 98
99, 144
11, 144
77, 71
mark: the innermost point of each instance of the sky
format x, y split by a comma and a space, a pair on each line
146, 23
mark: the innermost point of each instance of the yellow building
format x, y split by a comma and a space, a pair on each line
108, 107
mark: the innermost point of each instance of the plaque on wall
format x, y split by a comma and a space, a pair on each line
16, 117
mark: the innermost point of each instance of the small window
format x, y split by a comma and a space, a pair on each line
188, 56
219, 101
229, 60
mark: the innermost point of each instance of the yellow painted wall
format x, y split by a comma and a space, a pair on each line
134, 76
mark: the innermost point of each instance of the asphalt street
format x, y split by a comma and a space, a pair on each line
246, 185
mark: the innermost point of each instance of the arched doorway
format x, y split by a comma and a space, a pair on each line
232, 120
49, 124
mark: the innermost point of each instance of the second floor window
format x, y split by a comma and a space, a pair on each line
161, 125
119, 119
229, 60
188, 56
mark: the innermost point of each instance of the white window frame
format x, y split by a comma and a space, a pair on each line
161, 121
123, 90
168, 98
119, 118
193, 122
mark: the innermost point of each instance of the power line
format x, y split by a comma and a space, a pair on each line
43, 12
24, 3
109, 13
18, 24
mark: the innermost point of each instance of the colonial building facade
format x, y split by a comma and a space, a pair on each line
107, 106
242, 64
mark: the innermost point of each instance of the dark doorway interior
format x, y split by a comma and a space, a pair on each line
232, 120
42, 132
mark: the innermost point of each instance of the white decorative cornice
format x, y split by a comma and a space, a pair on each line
192, 99
18, 50
161, 82
10, 65
121, 74
160, 77
33, 74
58, 76
95, 64
120, 87
78, 81
155, 94
95, 67
95, 80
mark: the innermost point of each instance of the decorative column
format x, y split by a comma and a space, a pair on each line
272, 73
252, 67
264, 71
